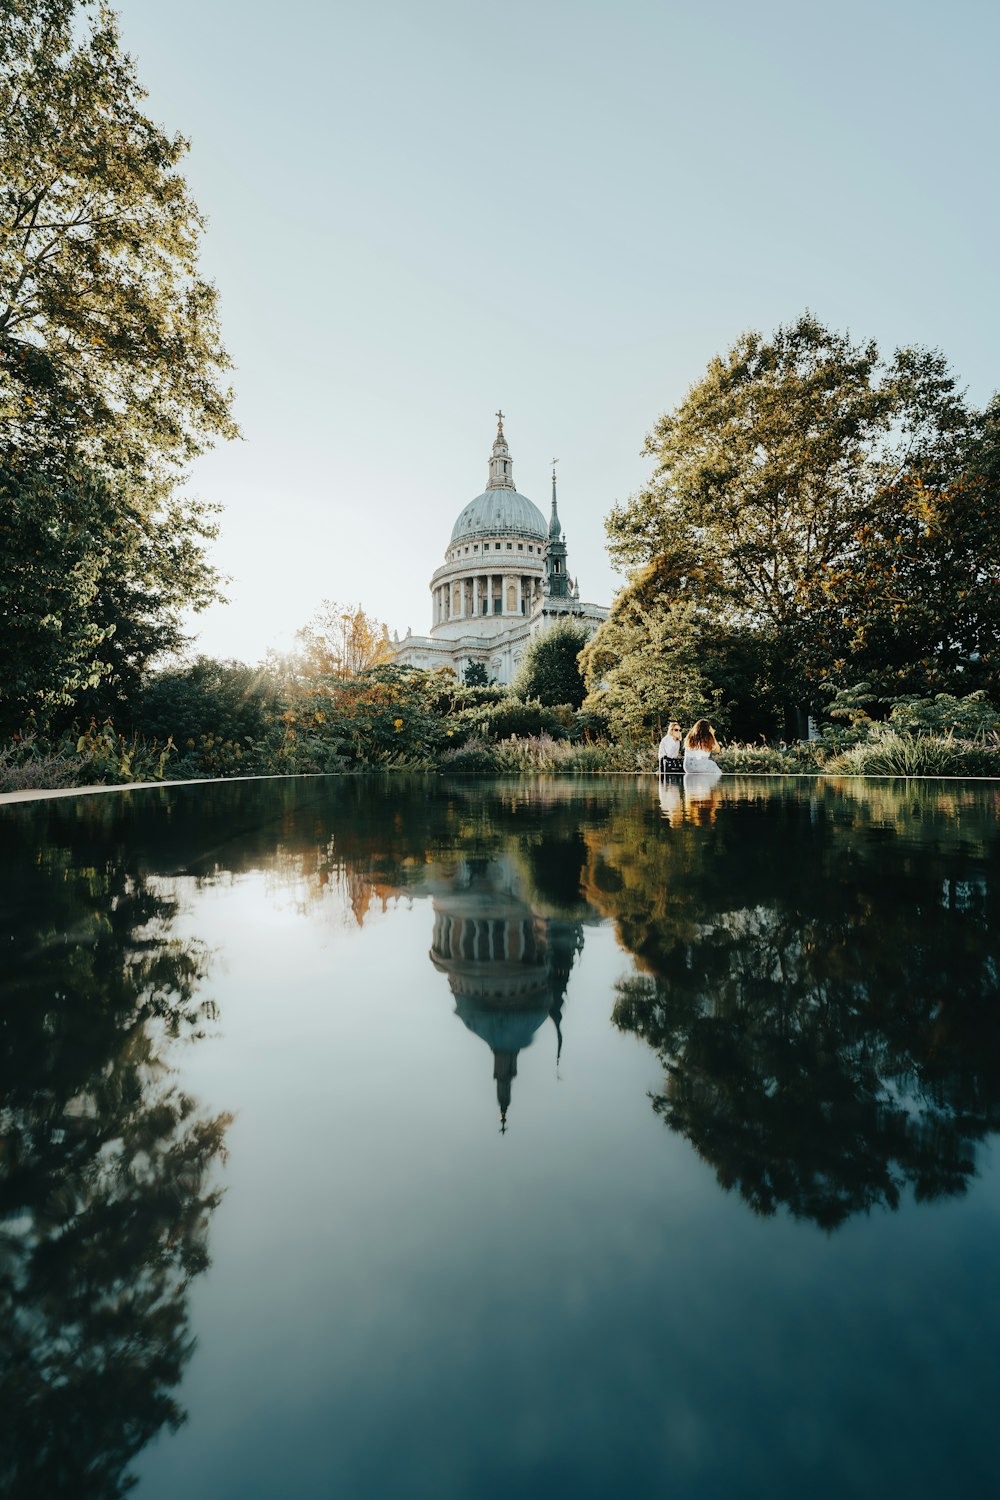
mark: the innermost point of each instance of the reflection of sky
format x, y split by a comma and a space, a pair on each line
404, 1303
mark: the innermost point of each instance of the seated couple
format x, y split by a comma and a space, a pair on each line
699, 743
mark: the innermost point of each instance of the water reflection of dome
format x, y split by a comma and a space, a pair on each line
506, 966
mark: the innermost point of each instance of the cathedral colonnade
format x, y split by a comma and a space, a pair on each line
484, 594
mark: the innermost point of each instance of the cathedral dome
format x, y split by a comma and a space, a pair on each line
500, 511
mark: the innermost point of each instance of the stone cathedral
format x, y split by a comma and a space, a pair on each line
504, 580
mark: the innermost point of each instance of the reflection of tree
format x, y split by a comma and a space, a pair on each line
822, 992
104, 1164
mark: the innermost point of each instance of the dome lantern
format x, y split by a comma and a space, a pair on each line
501, 475
500, 510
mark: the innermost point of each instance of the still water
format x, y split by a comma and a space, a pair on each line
428, 1138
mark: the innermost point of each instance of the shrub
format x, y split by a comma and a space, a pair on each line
550, 671
888, 753
511, 716
109, 758
29, 764
221, 700
475, 756
771, 760
969, 718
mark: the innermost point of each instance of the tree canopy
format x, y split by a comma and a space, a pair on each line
109, 337
111, 370
550, 669
771, 476
342, 640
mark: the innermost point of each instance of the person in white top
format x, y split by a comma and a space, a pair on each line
670, 749
698, 747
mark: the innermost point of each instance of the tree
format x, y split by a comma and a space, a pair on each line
109, 338
641, 668
91, 590
342, 641
475, 675
662, 656
915, 606
110, 370
550, 669
771, 464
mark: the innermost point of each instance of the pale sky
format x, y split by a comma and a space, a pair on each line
419, 213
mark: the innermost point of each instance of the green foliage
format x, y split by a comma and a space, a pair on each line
28, 763
475, 675
642, 667
886, 753
156, 573
53, 560
914, 604
109, 340
770, 760
768, 479
550, 670
967, 718
506, 716
224, 700
389, 716
92, 588
110, 373
476, 756
108, 757
540, 755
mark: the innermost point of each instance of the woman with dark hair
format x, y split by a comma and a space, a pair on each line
698, 746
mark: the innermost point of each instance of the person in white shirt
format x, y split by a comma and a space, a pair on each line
698, 747
669, 752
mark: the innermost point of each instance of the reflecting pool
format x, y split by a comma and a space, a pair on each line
457, 1138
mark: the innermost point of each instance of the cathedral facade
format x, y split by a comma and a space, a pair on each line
504, 581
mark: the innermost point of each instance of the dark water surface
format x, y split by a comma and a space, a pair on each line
416, 1138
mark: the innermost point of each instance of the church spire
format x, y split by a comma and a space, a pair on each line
556, 584
501, 476
555, 529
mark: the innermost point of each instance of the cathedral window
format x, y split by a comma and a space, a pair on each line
520, 546
510, 546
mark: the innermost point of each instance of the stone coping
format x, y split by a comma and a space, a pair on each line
44, 793
40, 794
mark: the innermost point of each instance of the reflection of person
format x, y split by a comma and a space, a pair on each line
698, 747
669, 753
701, 797
671, 803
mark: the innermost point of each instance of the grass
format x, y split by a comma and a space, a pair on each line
103, 758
